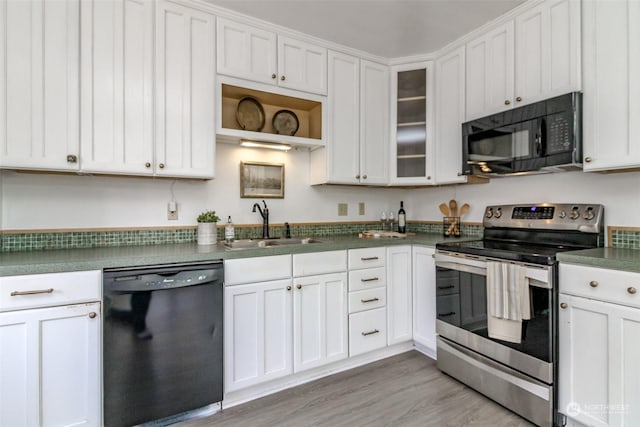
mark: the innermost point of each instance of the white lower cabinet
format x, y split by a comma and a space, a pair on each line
257, 333
367, 331
50, 366
399, 295
424, 298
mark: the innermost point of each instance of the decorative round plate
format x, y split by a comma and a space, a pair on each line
285, 122
250, 114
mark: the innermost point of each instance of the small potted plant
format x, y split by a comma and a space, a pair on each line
207, 233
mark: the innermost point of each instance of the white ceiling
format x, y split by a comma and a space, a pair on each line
387, 28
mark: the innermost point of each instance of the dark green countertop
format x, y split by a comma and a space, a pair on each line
61, 260
612, 258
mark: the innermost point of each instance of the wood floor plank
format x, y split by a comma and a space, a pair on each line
404, 390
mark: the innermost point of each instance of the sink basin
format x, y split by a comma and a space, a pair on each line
267, 243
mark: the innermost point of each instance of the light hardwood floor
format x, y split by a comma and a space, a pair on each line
404, 390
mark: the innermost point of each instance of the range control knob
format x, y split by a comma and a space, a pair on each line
498, 213
562, 215
489, 213
588, 214
575, 213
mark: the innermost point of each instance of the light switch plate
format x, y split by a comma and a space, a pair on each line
361, 208
343, 209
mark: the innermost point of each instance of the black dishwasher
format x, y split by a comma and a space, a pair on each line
162, 342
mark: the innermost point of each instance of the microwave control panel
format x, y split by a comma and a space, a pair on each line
559, 134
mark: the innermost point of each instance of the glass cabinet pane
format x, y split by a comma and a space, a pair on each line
411, 119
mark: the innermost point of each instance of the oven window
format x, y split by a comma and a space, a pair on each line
461, 300
503, 144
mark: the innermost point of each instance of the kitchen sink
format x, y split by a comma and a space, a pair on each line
267, 243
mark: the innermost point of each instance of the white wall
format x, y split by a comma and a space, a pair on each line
42, 201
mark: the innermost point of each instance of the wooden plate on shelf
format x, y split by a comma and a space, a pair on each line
285, 122
250, 114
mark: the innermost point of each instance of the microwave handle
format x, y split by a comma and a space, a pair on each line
540, 127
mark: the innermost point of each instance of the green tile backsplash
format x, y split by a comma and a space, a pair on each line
28, 241
625, 238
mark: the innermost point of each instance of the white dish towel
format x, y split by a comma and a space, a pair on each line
508, 300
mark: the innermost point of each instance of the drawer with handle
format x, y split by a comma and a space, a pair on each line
367, 299
367, 331
45, 290
616, 286
367, 279
366, 258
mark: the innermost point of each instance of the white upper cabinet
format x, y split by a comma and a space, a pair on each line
490, 67
117, 86
185, 85
449, 112
39, 84
374, 123
533, 57
612, 89
412, 123
254, 54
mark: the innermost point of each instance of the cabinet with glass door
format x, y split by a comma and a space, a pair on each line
412, 89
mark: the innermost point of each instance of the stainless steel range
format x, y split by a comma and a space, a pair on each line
497, 302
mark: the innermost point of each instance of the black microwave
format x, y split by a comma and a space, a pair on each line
541, 137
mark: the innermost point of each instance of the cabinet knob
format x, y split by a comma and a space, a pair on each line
357, 176
299, 286
147, 165
593, 284
92, 315
563, 305
273, 76
518, 99
288, 288
72, 158
507, 102
283, 78
588, 159
632, 290
428, 178
364, 176
161, 165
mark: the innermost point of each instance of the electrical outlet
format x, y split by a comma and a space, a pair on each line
172, 211
343, 209
361, 208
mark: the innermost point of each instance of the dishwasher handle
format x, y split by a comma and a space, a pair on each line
132, 281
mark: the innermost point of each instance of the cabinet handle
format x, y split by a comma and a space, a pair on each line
92, 315
299, 286
41, 291
588, 159
375, 331
283, 78
446, 287
518, 99
451, 313
369, 258
632, 290
273, 76
161, 165
507, 102
364, 301
593, 284
289, 287
370, 279
564, 305
364, 176
147, 165
72, 158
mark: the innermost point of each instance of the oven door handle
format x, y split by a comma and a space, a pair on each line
462, 267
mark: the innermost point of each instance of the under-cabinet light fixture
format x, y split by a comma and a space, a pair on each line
269, 145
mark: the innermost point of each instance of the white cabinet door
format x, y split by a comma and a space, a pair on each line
449, 111
320, 322
39, 84
185, 84
246, 52
611, 48
117, 86
257, 333
343, 143
374, 123
399, 295
50, 366
302, 66
489, 76
599, 350
424, 299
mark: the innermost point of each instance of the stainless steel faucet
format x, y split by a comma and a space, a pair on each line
265, 218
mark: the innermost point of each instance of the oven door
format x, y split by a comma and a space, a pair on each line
461, 307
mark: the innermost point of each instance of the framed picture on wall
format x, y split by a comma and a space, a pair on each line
261, 180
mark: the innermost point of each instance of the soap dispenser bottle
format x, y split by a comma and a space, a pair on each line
229, 231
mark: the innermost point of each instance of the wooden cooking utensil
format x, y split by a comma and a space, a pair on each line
444, 209
464, 209
453, 207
